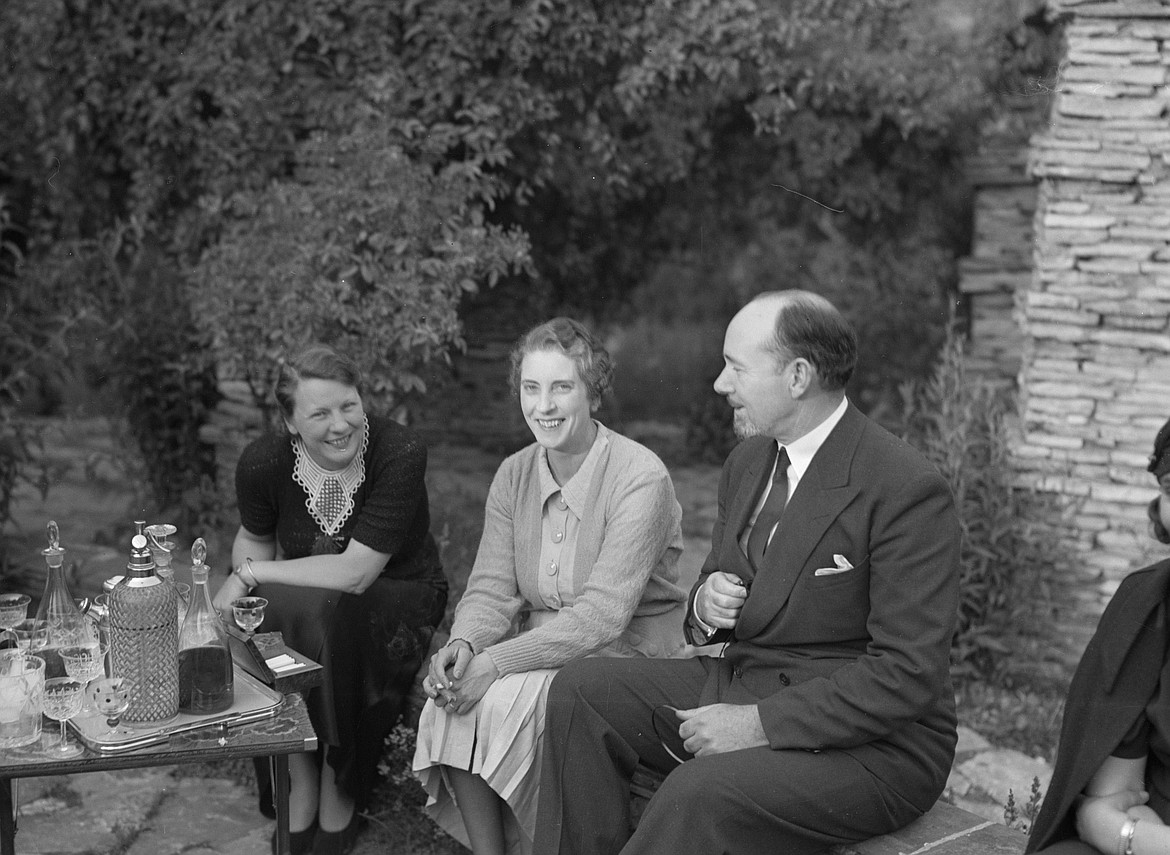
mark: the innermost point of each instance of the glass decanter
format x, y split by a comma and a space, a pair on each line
205, 659
67, 626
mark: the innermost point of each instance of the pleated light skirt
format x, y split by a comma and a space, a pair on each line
500, 741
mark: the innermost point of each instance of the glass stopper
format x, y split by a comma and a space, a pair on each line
53, 551
199, 551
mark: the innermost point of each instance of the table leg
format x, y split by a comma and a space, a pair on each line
7, 818
280, 792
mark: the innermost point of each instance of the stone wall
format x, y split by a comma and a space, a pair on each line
1095, 375
995, 276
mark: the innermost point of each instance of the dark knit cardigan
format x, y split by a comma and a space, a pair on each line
1117, 676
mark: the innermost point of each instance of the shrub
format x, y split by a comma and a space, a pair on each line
1008, 559
1022, 818
32, 333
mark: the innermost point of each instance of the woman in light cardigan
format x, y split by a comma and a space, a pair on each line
578, 558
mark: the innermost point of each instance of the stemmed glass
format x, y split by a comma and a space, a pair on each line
248, 613
13, 609
85, 663
62, 701
111, 698
32, 634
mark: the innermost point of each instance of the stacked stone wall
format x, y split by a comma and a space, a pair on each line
1095, 376
996, 275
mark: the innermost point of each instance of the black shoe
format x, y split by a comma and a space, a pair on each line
339, 842
299, 842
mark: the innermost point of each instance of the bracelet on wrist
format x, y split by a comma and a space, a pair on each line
241, 569
238, 572
470, 646
251, 572
1125, 836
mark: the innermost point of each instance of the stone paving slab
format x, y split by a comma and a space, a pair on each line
138, 812
153, 812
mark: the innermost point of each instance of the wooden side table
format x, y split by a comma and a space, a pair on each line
287, 732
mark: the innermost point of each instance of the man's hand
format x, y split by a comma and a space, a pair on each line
717, 728
719, 601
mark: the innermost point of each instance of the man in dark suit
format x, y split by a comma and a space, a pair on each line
832, 584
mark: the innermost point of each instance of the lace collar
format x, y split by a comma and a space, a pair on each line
329, 493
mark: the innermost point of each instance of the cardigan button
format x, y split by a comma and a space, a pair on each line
784, 681
552, 568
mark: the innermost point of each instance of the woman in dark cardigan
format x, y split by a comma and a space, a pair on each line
334, 531
1110, 791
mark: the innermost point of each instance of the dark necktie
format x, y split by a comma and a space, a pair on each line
771, 512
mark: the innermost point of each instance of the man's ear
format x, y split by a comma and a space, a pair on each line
803, 377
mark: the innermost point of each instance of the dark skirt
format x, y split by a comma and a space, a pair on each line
370, 647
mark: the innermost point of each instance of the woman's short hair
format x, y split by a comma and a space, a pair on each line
1159, 466
810, 327
570, 337
313, 362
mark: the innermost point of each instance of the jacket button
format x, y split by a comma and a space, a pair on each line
784, 681
737, 671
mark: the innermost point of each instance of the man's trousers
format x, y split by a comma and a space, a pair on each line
606, 715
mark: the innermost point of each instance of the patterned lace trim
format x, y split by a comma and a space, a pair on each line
312, 477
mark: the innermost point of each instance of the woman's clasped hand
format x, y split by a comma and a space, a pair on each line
457, 678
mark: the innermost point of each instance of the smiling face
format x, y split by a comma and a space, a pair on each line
329, 418
756, 385
555, 402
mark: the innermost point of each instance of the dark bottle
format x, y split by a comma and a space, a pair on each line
205, 660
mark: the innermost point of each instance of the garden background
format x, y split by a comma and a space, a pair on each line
189, 188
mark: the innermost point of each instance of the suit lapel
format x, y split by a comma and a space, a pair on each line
756, 471
822, 494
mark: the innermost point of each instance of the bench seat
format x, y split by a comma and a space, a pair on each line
943, 830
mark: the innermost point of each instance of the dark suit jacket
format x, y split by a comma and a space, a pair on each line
1117, 676
858, 658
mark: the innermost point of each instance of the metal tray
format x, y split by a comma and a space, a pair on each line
253, 701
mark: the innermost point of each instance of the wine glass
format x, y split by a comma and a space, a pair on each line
248, 613
84, 663
111, 698
32, 634
62, 701
13, 609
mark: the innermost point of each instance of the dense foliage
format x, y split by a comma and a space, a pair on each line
357, 171
33, 333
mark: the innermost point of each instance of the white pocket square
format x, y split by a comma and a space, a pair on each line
843, 566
